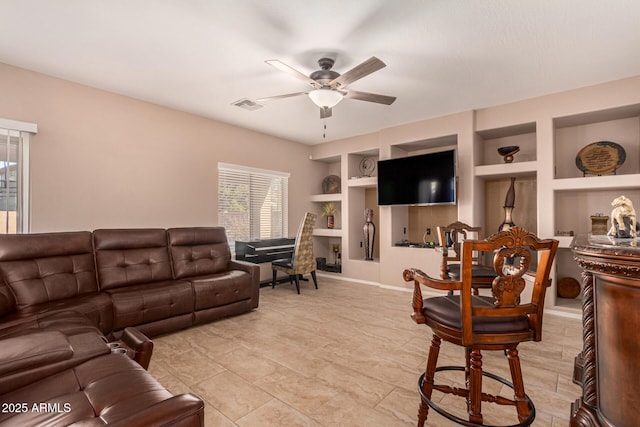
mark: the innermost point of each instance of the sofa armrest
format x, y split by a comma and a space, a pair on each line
184, 409
33, 350
141, 346
249, 267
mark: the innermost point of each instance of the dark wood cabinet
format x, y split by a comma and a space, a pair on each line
608, 367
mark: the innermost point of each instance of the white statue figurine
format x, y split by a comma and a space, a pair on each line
622, 209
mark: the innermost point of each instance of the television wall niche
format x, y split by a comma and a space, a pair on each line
426, 179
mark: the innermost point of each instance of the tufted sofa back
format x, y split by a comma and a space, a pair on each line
44, 267
131, 256
198, 251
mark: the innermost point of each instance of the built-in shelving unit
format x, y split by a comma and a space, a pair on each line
495, 174
361, 194
552, 195
576, 197
325, 239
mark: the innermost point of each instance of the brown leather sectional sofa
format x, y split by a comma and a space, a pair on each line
77, 310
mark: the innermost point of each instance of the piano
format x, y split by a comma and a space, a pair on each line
265, 250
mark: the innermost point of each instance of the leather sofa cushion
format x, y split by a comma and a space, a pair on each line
198, 251
67, 322
41, 245
127, 257
446, 310
96, 308
221, 289
135, 305
85, 346
47, 267
110, 389
7, 301
32, 351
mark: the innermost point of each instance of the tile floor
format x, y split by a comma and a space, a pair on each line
347, 354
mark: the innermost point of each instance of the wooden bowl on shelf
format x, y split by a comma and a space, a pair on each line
508, 152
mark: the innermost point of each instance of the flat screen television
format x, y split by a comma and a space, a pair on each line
425, 179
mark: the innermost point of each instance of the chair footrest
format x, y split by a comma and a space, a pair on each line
485, 397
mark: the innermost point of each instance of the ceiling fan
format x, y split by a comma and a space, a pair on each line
330, 87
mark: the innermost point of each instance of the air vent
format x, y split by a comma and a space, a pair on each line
247, 104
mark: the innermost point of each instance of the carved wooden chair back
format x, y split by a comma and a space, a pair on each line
451, 238
515, 253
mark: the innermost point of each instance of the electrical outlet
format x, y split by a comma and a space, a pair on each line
428, 232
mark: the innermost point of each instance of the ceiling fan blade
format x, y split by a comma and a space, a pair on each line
371, 97
292, 71
356, 73
287, 95
325, 112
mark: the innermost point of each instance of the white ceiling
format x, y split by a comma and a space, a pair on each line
442, 56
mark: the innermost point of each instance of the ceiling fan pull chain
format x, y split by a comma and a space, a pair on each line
324, 133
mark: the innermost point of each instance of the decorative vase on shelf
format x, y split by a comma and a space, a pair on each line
329, 210
330, 221
509, 204
369, 234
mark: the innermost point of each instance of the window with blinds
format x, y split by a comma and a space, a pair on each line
14, 175
252, 203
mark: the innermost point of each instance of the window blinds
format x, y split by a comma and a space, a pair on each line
14, 175
252, 203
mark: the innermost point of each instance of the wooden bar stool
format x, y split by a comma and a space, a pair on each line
451, 237
480, 323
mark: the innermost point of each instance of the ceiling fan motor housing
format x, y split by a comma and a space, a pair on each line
326, 74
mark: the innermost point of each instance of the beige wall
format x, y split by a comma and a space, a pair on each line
105, 160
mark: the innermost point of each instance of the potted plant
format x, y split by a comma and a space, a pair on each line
329, 210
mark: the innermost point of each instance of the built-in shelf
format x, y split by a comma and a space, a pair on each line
507, 169
522, 135
336, 197
374, 261
327, 232
590, 183
365, 182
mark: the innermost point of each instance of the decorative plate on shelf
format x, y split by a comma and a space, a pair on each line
331, 184
600, 158
367, 166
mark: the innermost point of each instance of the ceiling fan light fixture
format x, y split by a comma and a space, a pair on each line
325, 98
